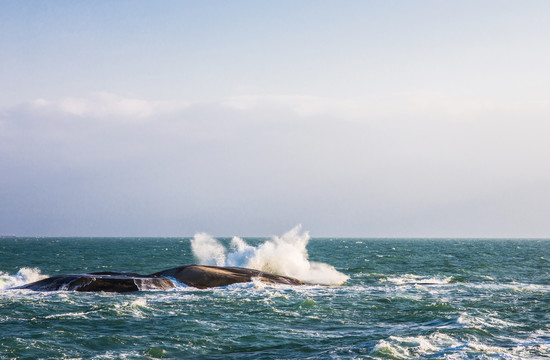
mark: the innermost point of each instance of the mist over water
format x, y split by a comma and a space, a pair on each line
283, 255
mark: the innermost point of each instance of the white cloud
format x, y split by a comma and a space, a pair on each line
368, 165
105, 105
423, 109
398, 106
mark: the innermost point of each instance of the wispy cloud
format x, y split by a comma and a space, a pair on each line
102, 105
397, 108
276, 158
400, 106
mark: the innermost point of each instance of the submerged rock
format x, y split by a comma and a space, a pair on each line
199, 276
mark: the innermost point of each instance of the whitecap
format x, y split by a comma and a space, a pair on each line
410, 279
407, 347
487, 321
82, 315
137, 308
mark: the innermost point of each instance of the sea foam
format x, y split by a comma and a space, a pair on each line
23, 276
285, 255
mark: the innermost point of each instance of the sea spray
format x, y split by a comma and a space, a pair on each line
285, 255
207, 250
24, 275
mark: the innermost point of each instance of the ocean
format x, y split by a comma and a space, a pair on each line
370, 299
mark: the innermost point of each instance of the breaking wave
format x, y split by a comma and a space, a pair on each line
285, 255
23, 276
445, 346
410, 279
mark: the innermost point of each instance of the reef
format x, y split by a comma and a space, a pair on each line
198, 276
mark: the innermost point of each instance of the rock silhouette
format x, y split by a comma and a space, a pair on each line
198, 276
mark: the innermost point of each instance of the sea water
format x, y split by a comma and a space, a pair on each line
369, 299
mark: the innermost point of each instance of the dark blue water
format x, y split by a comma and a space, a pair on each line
404, 299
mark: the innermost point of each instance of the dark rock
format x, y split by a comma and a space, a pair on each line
108, 282
199, 276
202, 276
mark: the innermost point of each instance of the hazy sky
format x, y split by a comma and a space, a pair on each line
352, 118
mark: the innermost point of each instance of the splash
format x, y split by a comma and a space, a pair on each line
24, 275
285, 255
208, 250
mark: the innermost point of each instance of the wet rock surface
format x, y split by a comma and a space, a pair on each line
108, 282
202, 276
198, 276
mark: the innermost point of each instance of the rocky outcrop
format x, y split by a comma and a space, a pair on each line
108, 282
202, 276
198, 276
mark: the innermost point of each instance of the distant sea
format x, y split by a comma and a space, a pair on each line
403, 299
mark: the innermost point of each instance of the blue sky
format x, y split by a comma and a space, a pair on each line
353, 118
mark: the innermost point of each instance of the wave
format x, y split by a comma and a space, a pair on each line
408, 347
285, 255
410, 279
440, 345
488, 321
23, 276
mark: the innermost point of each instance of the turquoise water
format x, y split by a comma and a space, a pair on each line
405, 299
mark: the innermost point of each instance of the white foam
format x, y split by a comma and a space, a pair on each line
23, 276
408, 347
487, 321
178, 286
139, 302
118, 355
76, 315
417, 280
138, 308
414, 347
513, 287
285, 255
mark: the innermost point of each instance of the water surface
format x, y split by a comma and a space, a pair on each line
404, 299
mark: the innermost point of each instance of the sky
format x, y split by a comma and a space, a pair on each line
352, 118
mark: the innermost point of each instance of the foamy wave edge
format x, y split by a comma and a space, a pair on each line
23, 276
